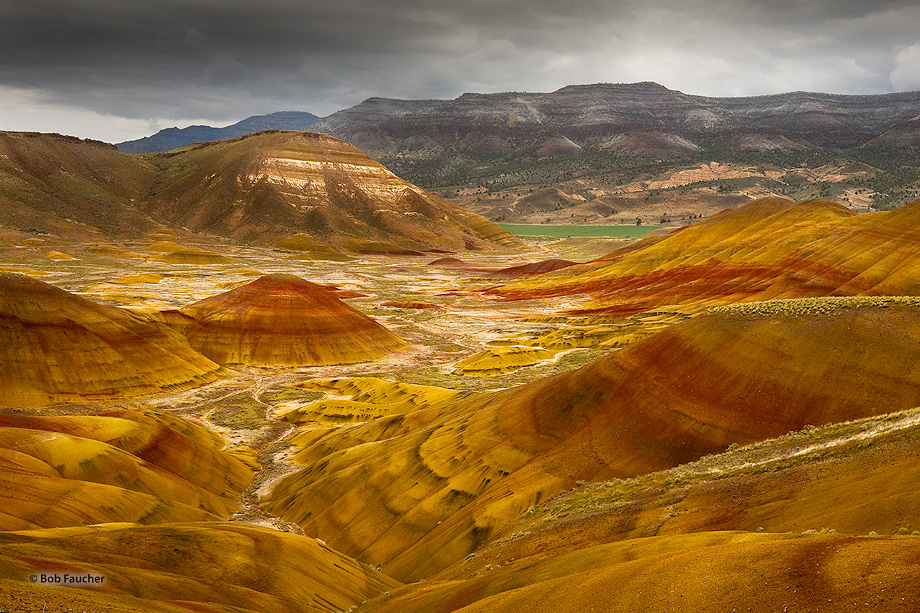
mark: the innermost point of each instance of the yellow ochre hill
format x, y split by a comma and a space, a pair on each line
769, 248
140, 499
57, 346
706, 571
283, 320
420, 491
793, 522
116, 466
208, 566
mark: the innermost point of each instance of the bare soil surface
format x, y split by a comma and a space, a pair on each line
244, 405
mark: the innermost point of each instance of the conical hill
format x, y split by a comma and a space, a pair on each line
425, 495
55, 346
283, 320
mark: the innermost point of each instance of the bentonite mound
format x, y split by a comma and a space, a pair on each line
57, 346
283, 320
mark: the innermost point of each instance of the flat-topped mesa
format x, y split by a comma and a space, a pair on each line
56, 346
283, 320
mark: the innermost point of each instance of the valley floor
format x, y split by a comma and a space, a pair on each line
733, 530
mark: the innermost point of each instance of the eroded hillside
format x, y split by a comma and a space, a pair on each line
719, 417
264, 188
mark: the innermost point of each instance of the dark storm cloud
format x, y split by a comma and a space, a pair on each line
224, 59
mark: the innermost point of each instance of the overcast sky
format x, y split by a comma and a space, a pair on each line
121, 69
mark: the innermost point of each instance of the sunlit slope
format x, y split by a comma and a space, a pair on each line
272, 185
128, 465
499, 360
173, 253
365, 399
770, 248
56, 346
283, 320
195, 566
701, 572
419, 492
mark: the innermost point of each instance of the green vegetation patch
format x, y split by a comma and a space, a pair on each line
791, 307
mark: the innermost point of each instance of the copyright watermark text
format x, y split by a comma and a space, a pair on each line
70, 579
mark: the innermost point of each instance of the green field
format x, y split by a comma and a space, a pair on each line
559, 231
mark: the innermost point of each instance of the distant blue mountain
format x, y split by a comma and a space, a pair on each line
173, 138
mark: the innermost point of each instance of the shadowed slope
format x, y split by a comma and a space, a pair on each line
56, 346
770, 248
71, 187
511, 272
136, 466
421, 491
282, 320
199, 567
528, 270
257, 189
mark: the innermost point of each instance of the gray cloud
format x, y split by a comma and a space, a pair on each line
226, 59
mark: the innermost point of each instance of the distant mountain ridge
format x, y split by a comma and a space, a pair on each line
606, 115
600, 141
586, 115
174, 138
